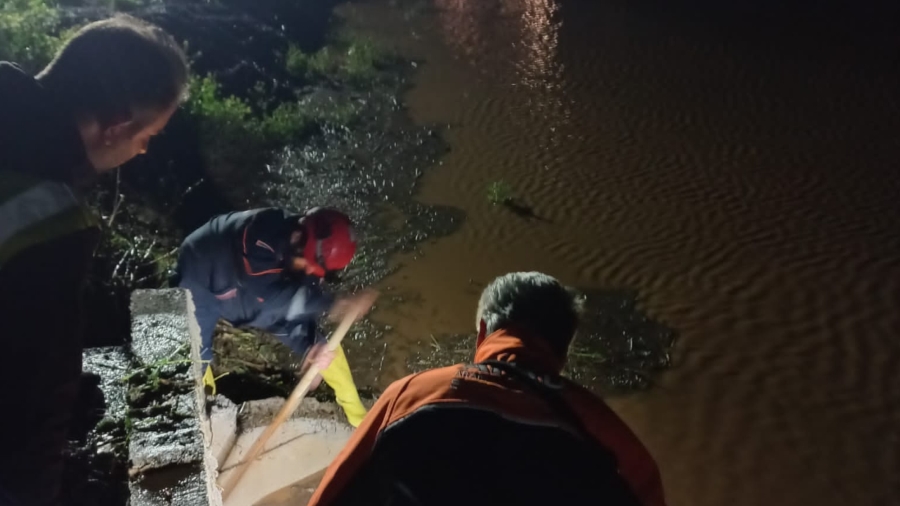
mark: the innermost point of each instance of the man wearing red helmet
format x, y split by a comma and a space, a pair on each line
263, 268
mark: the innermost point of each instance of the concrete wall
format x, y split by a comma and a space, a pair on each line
170, 460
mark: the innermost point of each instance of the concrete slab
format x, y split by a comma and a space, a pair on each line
300, 449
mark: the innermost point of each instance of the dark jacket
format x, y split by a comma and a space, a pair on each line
234, 268
40, 296
506, 430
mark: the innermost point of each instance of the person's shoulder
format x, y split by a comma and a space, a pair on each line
439, 374
417, 382
420, 387
586, 399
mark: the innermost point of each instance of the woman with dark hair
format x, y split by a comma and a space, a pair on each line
107, 92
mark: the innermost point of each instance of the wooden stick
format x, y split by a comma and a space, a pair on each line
290, 405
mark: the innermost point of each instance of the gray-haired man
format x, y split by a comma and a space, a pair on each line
507, 429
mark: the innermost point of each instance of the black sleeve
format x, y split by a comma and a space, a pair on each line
40, 329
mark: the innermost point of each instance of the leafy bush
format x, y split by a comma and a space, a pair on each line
362, 60
296, 61
29, 33
355, 60
286, 124
231, 127
237, 138
230, 135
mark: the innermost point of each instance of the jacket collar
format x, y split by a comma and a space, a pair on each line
521, 347
40, 135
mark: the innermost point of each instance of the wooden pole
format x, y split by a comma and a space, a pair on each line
290, 405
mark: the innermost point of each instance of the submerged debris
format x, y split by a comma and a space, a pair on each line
618, 348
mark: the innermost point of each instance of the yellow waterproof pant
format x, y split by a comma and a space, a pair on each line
340, 380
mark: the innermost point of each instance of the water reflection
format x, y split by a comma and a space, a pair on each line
531, 68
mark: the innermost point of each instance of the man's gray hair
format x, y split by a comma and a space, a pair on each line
534, 302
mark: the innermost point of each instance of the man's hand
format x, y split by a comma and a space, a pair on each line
359, 303
322, 357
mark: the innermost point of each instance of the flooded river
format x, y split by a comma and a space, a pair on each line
738, 170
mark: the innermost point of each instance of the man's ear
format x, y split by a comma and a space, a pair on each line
482, 333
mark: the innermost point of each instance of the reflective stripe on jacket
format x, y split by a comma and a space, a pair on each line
33, 211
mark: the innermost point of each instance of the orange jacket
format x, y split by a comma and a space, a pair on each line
440, 386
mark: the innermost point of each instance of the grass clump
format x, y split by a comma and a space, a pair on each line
500, 193
356, 60
29, 33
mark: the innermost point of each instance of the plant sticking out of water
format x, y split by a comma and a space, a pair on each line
500, 193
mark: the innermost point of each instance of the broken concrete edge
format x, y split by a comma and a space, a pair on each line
223, 419
183, 471
261, 412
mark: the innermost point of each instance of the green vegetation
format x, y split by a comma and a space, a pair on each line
356, 60
29, 33
500, 193
156, 373
237, 137
236, 140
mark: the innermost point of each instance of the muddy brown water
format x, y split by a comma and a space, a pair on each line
741, 178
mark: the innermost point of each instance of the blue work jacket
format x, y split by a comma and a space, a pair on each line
234, 267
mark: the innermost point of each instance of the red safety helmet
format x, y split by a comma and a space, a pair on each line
330, 240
